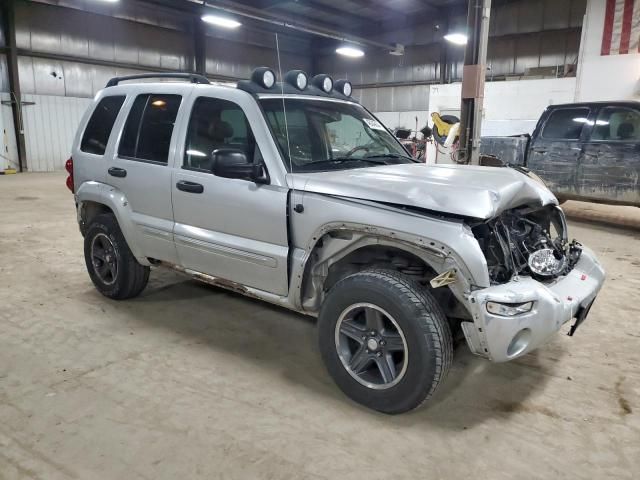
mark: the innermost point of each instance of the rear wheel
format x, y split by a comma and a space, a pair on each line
384, 340
112, 267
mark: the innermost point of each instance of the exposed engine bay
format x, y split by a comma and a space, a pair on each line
527, 241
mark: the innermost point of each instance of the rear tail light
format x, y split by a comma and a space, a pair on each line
69, 168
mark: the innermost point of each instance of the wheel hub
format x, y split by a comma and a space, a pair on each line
372, 344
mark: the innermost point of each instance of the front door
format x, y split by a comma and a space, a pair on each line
555, 154
611, 166
228, 228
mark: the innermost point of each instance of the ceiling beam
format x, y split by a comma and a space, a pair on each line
293, 23
322, 8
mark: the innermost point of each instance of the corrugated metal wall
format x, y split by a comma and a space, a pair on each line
517, 44
49, 127
137, 39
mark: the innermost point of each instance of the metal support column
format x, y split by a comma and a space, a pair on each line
473, 75
199, 47
9, 19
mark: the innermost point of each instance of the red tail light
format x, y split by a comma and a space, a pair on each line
69, 168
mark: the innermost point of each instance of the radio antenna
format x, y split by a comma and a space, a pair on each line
286, 125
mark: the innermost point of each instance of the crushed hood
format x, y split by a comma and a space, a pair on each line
470, 191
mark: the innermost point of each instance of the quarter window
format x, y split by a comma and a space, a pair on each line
96, 135
147, 133
217, 123
617, 124
566, 124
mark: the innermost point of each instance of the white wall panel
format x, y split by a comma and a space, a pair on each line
8, 150
49, 126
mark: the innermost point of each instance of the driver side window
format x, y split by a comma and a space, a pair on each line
214, 124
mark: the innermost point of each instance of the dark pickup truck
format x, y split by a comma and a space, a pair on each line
583, 151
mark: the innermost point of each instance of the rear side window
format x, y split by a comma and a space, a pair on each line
96, 135
147, 133
565, 124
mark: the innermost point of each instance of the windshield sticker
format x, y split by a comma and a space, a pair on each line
373, 124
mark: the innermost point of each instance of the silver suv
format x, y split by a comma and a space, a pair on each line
293, 193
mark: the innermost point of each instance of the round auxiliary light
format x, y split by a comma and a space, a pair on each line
544, 263
264, 77
297, 78
323, 82
344, 87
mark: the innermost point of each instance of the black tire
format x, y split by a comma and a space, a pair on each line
130, 278
426, 333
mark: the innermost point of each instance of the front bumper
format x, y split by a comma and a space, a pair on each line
504, 338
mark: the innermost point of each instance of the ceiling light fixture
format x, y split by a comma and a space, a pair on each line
457, 38
224, 22
352, 52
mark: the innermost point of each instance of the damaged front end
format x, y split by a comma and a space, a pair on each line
538, 282
527, 241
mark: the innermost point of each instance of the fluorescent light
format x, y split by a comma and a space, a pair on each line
224, 22
457, 38
350, 52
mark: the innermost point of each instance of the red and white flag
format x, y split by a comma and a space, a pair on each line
621, 27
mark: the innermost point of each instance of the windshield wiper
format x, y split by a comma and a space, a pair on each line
390, 155
340, 160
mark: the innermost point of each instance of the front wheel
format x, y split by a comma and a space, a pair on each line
385, 340
113, 269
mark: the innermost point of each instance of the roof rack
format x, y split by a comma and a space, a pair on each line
192, 77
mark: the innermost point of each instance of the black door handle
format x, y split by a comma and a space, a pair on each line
117, 172
190, 187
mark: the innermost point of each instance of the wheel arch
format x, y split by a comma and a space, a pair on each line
337, 250
95, 198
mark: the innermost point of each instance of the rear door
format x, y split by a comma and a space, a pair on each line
232, 229
611, 166
140, 169
555, 153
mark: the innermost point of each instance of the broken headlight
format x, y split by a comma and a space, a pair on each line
547, 262
527, 241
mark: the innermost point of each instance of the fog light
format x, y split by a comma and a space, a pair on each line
545, 262
509, 309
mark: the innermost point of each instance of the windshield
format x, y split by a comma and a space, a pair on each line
328, 135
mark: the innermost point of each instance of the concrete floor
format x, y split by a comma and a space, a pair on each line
189, 381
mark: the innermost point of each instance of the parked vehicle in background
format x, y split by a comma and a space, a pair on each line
316, 206
583, 151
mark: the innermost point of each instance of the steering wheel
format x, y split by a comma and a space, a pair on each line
355, 149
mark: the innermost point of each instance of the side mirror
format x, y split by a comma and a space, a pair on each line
233, 163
